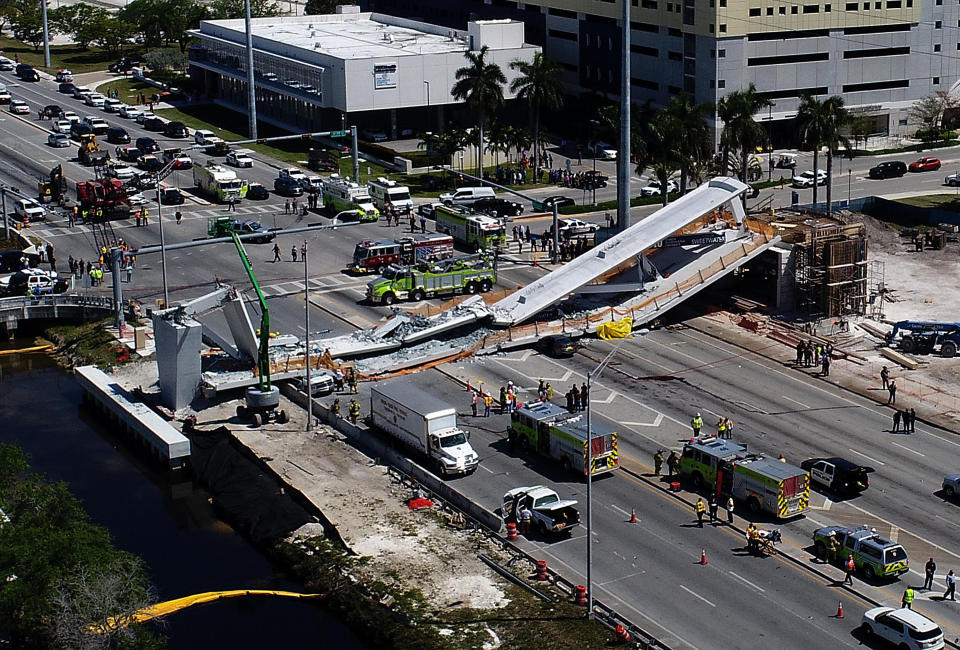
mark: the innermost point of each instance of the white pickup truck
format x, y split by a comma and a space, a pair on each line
29, 209
550, 514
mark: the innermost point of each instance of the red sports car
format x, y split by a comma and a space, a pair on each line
925, 165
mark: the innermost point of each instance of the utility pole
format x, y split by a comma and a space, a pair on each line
6, 219
306, 325
46, 35
251, 87
356, 158
115, 255
623, 169
163, 248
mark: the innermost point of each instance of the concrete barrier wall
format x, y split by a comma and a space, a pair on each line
363, 439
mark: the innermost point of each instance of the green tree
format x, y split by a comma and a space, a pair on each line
499, 137
539, 86
26, 21
837, 120
166, 59
113, 33
741, 132
813, 124
220, 9
321, 7
85, 22
149, 16
480, 85
662, 152
694, 143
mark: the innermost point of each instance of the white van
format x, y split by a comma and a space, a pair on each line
386, 193
467, 195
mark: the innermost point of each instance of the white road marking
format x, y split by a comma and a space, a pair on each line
801, 404
620, 510
949, 521
894, 533
696, 595
626, 577
483, 467
739, 577
897, 444
878, 462
656, 422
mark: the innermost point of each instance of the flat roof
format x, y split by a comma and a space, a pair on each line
353, 36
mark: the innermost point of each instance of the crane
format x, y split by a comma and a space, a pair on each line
264, 398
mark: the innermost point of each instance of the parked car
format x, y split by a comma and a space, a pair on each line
66, 88
653, 189
137, 199
927, 164
97, 124
122, 66
112, 105
257, 192
58, 140
129, 112
149, 163
373, 135
27, 73
78, 129
503, 207
286, 186
240, 158
550, 514
118, 135
29, 209
6, 65
5, 97
805, 179
546, 205
128, 154
175, 130
69, 116
79, 92
605, 151
951, 485
143, 116
180, 160
838, 474
557, 345
952, 180
147, 145
902, 628
171, 195
19, 107
35, 281
94, 99
64, 75
154, 124
427, 209
575, 227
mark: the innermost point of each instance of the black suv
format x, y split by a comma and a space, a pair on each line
118, 135
66, 88
175, 130
888, 169
147, 145
502, 207
286, 186
78, 129
154, 124
27, 73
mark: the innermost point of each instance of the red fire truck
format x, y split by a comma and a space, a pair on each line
370, 255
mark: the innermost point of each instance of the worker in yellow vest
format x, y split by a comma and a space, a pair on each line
696, 423
701, 509
721, 427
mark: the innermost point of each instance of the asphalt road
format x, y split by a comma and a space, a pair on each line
648, 570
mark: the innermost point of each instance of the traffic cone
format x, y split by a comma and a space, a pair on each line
633, 515
839, 609
468, 386
703, 556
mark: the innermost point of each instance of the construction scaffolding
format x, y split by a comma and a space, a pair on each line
831, 264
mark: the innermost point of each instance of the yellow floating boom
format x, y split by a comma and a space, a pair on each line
35, 348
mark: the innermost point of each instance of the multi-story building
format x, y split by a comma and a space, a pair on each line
879, 55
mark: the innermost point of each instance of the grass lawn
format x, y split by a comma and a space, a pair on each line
949, 202
128, 89
65, 56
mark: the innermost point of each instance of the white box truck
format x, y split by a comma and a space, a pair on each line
423, 422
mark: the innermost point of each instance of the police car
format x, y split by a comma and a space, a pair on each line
838, 475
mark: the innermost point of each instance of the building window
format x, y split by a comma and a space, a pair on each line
909, 3
901, 123
893, 4
723, 53
723, 27
610, 43
723, 3
769, 11
785, 59
826, 9
876, 85
885, 51
669, 6
673, 56
713, 3
811, 9
851, 6
711, 31
649, 4
559, 33
793, 9
755, 11
866, 6
783, 11
938, 25
878, 5
673, 31
936, 81
721, 84
936, 47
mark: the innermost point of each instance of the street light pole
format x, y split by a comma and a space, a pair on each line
251, 86
46, 35
849, 172
306, 325
623, 168
163, 248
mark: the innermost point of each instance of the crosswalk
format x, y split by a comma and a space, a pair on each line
321, 284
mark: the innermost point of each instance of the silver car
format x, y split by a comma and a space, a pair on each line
951, 485
58, 140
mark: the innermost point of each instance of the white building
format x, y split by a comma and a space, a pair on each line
376, 71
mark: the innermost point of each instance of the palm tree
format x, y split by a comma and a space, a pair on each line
480, 84
662, 153
539, 86
740, 130
498, 139
837, 118
813, 123
692, 131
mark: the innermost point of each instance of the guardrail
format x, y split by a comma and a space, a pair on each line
59, 300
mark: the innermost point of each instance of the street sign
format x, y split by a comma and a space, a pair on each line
339, 134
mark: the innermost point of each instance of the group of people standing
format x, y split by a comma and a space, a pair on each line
810, 354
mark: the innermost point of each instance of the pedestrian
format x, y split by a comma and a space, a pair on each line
657, 462
696, 424
423, 223
542, 391
293, 253
700, 509
896, 420
179, 216
276, 252
885, 377
713, 509
729, 428
293, 207
487, 402
338, 379
951, 591
232, 206
525, 517
721, 427
303, 252
569, 396
503, 399
576, 398
673, 463
584, 395
833, 548
825, 367
286, 207
913, 420
549, 392
929, 569
352, 381
849, 567
473, 402
800, 348
893, 393
730, 510
907, 600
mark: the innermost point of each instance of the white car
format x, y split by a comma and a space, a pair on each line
69, 116
98, 124
122, 172
576, 227
5, 97
137, 199
206, 137
903, 628
604, 151
58, 140
653, 189
294, 173
61, 126
19, 107
94, 99
7, 64
129, 112
111, 105
30, 209
79, 92
240, 158
143, 116
806, 179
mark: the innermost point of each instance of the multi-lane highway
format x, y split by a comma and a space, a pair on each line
648, 570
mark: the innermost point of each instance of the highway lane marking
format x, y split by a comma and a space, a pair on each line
892, 525
740, 577
894, 533
626, 577
696, 595
860, 453
656, 422
949, 521
897, 444
801, 404
487, 469
620, 510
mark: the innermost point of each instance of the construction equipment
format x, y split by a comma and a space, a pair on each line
90, 153
264, 398
551, 430
104, 199
371, 255
430, 279
50, 189
728, 469
926, 337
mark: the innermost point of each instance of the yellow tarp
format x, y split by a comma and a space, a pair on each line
615, 330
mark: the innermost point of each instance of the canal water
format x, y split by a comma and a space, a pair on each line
163, 517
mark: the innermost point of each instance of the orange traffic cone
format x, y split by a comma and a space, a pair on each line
633, 515
839, 609
703, 556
